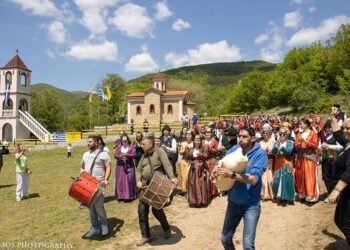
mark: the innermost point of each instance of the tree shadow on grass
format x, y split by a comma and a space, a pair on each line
157, 236
339, 243
34, 195
5, 186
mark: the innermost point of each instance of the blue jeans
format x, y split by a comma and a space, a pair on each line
98, 214
234, 213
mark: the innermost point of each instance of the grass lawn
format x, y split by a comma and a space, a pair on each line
50, 215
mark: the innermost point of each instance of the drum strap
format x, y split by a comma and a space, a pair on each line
150, 165
93, 162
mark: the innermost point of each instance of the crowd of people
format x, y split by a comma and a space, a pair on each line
283, 157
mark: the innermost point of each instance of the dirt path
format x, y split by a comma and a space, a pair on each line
290, 227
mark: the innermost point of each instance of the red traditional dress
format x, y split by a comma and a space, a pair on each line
306, 181
211, 160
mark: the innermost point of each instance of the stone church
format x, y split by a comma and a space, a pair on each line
158, 105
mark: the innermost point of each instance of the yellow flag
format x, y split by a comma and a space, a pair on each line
108, 93
90, 95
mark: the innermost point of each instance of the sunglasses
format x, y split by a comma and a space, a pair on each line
283, 134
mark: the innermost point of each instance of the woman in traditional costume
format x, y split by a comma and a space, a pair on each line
283, 183
185, 163
267, 178
125, 181
212, 145
198, 177
306, 181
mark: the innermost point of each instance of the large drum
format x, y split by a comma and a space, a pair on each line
158, 192
86, 189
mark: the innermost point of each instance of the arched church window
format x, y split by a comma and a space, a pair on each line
8, 78
170, 109
23, 79
151, 109
138, 110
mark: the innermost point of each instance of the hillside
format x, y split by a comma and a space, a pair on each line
67, 98
199, 79
230, 72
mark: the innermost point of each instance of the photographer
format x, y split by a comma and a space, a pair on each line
22, 178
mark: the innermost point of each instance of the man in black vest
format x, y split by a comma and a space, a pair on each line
170, 146
341, 116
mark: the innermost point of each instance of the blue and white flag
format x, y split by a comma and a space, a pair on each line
102, 95
7, 94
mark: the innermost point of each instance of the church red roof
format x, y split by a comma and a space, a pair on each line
16, 62
163, 93
159, 77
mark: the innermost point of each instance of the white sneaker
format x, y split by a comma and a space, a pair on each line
93, 231
18, 198
104, 230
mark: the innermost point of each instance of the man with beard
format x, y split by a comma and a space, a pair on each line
244, 196
97, 163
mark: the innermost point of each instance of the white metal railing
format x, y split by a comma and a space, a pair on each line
34, 126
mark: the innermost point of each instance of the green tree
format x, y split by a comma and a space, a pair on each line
48, 111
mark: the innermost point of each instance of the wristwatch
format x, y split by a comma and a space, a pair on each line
233, 176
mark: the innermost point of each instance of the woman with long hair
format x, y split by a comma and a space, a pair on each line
283, 182
306, 178
267, 178
185, 163
125, 180
198, 177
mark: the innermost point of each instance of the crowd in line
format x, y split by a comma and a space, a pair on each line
291, 148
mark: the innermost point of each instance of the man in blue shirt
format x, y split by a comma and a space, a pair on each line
244, 196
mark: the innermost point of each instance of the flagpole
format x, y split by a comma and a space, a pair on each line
106, 117
90, 116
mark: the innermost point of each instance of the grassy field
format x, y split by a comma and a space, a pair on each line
50, 215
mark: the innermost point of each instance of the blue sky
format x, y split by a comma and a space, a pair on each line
74, 44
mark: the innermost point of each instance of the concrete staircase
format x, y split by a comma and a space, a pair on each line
34, 126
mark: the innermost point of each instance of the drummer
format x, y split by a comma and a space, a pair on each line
154, 158
98, 163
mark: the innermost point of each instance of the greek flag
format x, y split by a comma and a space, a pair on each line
7, 95
102, 95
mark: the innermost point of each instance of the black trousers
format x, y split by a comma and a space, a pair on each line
143, 211
342, 215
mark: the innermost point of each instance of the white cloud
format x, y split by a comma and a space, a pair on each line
324, 31
51, 54
292, 19
298, 1
141, 63
261, 38
132, 20
39, 7
57, 32
94, 13
180, 24
162, 11
311, 9
104, 51
269, 55
274, 42
205, 53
